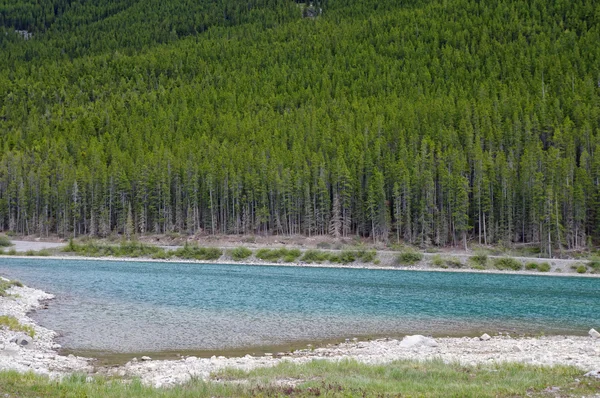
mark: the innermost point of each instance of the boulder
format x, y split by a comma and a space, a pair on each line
417, 341
593, 333
485, 337
23, 340
593, 373
145, 358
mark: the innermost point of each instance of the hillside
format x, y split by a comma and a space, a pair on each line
430, 122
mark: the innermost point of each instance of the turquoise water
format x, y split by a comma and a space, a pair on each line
150, 306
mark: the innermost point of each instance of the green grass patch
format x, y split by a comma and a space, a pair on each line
594, 264
408, 258
508, 263
437, 261
124, 249
329, 379
240, 253
12, 323
581, 269
454, 262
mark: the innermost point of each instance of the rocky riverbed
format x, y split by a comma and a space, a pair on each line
40, 354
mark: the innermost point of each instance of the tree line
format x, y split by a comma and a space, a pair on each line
431, 123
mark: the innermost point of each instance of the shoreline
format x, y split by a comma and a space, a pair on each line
42, 356
369, 266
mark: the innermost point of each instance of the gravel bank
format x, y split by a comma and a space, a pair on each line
41, 357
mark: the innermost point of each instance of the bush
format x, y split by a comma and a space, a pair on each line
479, 259
409, 258
543, 267
315, 256
582, 269
324, 245
454, 262
437, 261
190, 252
288, 255
594, 263
5, 285
508, 263
5, 242
367, 256
531, 266
240, 253
12, 252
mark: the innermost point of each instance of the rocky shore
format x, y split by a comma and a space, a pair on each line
40, 354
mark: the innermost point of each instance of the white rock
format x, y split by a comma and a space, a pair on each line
593, 373
145, 358
485, 337
417, 341
23, 340
190, 359
593, 333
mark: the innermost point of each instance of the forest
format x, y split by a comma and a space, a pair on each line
426, 122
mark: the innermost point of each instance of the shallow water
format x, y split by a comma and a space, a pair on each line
151, 306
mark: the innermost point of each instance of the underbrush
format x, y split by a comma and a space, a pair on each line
507, 263
240, 253
408, 258
343, 257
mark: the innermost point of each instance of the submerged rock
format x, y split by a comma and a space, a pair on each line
417, 341
593, 333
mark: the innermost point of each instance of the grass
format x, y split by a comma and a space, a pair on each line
12, 323
507, 263
330, 379
408, 258
5, 285
315, 256
581, 269
240, 253
192, 252
594, 264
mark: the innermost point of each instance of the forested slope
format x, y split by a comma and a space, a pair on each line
432, 122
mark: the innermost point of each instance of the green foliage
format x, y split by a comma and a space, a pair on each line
124, 249
408, 258
508, 263
240, 253
5, 242
543, 267
531, 266
581, 269
440, 122
12, 323
454, 262
192, 252
594, 264
288, 255
315, 256
437, 261
479, 259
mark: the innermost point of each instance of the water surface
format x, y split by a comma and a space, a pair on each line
150, 306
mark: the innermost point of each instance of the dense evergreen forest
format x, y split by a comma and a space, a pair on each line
427, 122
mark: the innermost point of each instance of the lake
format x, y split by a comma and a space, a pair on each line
132, 307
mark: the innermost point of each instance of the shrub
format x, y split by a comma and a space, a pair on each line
43, 252
190, 252
531, 266
437, 261
409, 258
12, 252
479, 259
543, 267
324, 245
347, 257
454, 262
291, 255
240, 253
581, 269
594, 263
30, 253
367, 256
508, 263
315, 256
5, 242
